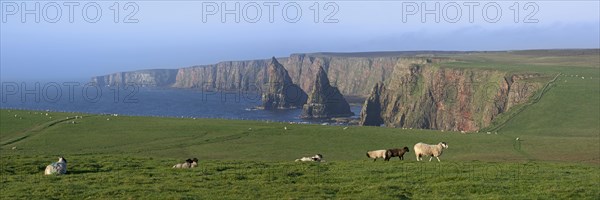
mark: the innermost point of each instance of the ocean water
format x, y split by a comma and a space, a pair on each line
142, 101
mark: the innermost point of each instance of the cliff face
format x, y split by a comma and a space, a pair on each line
325, 101
231, 75
280, 92
423, 96
352, 75
152, 77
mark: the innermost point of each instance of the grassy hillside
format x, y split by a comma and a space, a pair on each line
557, 156
131, 157
250, 140
117, 176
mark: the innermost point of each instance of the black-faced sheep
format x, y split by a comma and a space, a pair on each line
422, 149
396, 153
57, 168
315, 158
189, 163
376, 154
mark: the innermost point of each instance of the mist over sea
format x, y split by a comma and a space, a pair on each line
142, 101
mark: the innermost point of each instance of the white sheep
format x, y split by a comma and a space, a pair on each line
189, 163
57, 168
376, 154
422, 149
186, 164
315, 158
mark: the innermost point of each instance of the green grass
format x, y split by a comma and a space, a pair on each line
131, 158
127, 157
15, 124
151, 178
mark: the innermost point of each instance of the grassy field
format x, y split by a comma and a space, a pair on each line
124, 157
116, 176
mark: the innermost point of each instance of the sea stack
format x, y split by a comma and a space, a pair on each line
280, 92
324, 100
370, 115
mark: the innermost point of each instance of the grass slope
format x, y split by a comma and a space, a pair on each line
115, 176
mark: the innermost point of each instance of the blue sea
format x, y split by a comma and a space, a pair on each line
142, 101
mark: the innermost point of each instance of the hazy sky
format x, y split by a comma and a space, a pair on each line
166, 34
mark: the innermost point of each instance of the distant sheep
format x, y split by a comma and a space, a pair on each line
189, 163
376, 154
396, 153
57, 168
315, 158
422, 149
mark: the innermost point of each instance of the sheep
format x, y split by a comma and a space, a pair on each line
396, 153
422, 149
376, 154
189, 163
186, 164
57, 168
315, 158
